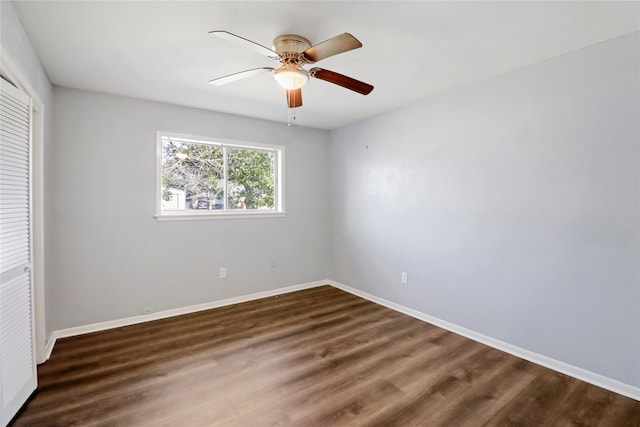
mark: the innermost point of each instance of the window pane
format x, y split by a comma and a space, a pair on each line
251, 179
192, 175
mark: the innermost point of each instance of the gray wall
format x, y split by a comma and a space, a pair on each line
112, 258
512, 203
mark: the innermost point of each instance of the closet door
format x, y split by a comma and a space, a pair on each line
18, 377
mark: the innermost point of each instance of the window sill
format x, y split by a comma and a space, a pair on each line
222, 215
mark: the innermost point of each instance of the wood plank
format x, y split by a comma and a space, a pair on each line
318, 357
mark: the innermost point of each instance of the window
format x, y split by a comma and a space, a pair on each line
202, 178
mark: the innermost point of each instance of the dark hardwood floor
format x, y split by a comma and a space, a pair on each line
318, 357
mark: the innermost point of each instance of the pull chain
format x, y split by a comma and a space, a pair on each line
290, 116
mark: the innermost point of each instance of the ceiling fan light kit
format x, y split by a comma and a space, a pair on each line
294, 51
290, 76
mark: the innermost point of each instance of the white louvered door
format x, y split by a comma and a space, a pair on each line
18, 377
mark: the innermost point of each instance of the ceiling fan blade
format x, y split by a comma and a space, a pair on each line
237, 76
225, 35
294, 97
341, 80
338, 44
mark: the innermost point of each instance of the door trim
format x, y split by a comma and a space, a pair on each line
12, 72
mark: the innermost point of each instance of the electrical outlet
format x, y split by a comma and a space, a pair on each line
147, 310
223, 272
404, 278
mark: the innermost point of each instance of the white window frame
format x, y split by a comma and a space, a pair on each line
278, 210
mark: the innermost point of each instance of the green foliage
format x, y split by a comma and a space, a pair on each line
251, 178
198, 169
166, 195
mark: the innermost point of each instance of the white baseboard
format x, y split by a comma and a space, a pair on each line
101, 326
565, 368
49, 346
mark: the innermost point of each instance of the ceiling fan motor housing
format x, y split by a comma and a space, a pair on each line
290, 43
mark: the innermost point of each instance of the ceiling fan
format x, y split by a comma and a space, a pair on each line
294, 51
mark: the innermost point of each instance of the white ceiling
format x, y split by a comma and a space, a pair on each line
162, 50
